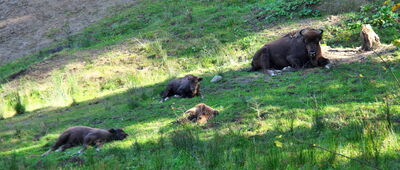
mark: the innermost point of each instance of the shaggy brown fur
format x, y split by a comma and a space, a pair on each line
83, 135
201, 113
186, 87
296, 49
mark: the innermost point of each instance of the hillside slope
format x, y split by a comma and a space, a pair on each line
28, 26
115, 69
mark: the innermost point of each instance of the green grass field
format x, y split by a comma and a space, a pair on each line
115, 70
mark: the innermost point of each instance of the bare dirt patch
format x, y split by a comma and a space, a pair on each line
349, 55
30, 25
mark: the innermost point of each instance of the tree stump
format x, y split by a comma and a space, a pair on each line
370, 40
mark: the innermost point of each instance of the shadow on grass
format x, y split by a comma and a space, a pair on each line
196, 148
211, 146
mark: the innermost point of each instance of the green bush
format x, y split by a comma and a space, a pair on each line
289, 10
19, 107
379, 14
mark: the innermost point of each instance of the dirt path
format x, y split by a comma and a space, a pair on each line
29, 25
349, 55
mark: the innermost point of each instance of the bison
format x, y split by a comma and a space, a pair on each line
83, 135
297, 49
201, 113
186, 87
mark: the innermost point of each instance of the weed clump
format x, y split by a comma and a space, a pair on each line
17, 104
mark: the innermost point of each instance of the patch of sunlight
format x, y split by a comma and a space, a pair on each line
391, 142
351, 149
22, 149
121, 144
145, 130
334, 86
331, 109
8, 114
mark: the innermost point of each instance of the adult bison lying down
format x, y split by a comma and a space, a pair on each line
187, 87
297, 49
83, 135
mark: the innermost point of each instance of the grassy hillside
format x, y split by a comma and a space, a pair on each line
112, 73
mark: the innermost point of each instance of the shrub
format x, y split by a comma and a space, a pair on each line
19, 107
289, 10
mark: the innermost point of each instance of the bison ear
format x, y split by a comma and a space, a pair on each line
199, 79
111, 130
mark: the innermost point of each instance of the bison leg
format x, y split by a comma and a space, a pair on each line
84, 147
323, 61
294, 62
60, 142
165, 94
66, 146
98, 145
47, 152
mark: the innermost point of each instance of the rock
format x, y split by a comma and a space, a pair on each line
216, 79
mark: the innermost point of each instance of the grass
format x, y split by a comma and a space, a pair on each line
114, 71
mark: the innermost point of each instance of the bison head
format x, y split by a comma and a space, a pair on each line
194, 83
311, 38
118, 134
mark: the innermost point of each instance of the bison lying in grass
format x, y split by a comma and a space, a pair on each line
201, 113
186, 87
82, 135
297, 49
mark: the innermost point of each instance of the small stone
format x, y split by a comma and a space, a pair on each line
216, 78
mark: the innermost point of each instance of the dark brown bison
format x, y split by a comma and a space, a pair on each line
186, 87
297, 49
201, 113
83, 135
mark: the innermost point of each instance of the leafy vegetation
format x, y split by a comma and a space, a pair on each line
379, 14
289, 10
113, 72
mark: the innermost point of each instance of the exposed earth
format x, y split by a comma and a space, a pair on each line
29, 25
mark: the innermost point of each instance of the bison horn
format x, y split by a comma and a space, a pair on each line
321, 31
301, 32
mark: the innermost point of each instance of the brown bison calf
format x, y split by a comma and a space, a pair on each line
296, 49
82, 135
201, 113
186, 87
